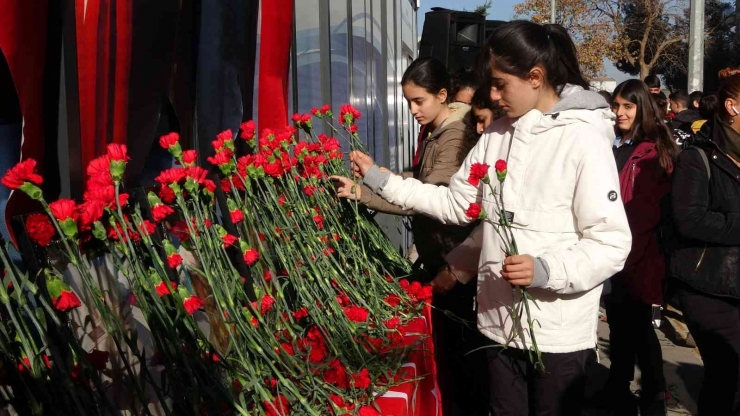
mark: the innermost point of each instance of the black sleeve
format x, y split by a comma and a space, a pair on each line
690, 195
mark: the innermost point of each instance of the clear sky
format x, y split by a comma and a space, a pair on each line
500, 10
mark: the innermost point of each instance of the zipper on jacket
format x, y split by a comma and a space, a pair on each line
700, 258
633, 174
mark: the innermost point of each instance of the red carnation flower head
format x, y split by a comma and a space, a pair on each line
348, 114
171, 142
362, 380
66, 301
278, 407
192, 304
237, 216
118, 158
501, 169
251, 256
148, 227
189, 157
296, 118
229, 240
248, 130
23, 176
161, 211
174, 260
266, 304
326, 109
356, 313
478, 172
163, 290
65, 211
315, 111
99, 170
170, 176
89, 213
40, 229
475, 211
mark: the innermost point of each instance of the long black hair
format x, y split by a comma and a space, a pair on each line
648, 124
517, 47
430, 74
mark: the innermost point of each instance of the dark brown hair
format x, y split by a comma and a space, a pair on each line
648, 124
730, 88
517, 47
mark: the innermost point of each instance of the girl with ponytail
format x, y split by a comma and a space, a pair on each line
561, 195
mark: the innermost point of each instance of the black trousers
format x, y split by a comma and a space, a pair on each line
462, 375
632, 340
517, 389
715, 324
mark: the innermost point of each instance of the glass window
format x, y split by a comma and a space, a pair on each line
307, 49
360, 69
392, 86
340, 62
379, 87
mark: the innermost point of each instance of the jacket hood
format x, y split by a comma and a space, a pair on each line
576, 105
458, 111
687, 116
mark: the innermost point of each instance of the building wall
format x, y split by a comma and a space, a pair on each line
355, 51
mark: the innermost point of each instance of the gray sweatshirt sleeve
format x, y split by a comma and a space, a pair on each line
376, 179
541, 273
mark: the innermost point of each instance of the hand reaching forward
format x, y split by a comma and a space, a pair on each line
519, 270
360, 163
346, 188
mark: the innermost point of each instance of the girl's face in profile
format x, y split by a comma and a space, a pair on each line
515, 95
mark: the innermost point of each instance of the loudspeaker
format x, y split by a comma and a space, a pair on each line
453, 37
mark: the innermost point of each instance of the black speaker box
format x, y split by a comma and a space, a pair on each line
453, 37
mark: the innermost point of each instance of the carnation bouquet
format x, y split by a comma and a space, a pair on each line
504, 229
256, 291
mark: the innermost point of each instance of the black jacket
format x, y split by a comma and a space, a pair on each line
706, 214
685, 119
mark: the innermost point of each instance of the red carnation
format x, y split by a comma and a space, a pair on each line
229, 240
161, 211
162, 288
117, 152
64, 209
21, 173
266, 304
319, 220
278, 407
148, 227
336, 374
221, 158
169, 176
192, 304
300, 314
478, 171
356, 313
315, 111
67, 300
98, 359
362, 379
325, 108
296, 118
99, 172
501, 169
248, 128
89, 212
251, 256
393, 300
189, 157
236, 216
170, 139
174, 260
474, 211
40, 229
274, 169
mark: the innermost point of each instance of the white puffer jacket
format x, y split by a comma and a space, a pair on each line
563, 188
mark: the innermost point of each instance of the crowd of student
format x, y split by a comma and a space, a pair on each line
630, 187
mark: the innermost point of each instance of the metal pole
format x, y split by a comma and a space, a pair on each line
552, 11
696, 46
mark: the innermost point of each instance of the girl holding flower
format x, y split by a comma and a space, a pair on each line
560, 198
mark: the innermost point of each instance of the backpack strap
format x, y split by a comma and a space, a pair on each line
703, 155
